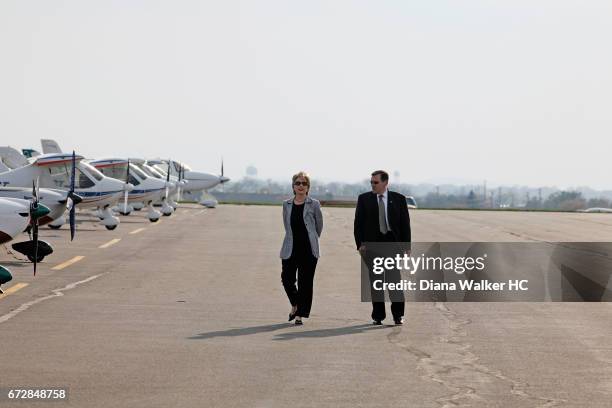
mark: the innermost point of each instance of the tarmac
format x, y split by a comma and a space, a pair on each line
190, 312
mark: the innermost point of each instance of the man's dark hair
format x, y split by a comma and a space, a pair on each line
384, 176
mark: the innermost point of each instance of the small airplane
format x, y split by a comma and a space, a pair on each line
55, 200
146, 189
170, 186
54, 171
597, 210
173, 184
196, 182
17, 215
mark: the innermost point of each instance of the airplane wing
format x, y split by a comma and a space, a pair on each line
55, 159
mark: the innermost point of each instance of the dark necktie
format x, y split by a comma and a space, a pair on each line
382, 220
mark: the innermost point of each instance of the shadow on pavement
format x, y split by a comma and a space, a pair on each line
245, 331
337, 331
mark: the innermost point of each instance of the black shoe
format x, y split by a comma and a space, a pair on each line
291, 316
298, 322
377, 322
399, 322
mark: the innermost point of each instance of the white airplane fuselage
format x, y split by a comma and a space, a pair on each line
145, 188
104, 191
14, 217
53, 199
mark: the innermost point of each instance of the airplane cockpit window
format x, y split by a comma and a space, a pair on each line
119, 171
133, 180
162, 172
138, 172
61, 177
95, 173
178, 166
151, 171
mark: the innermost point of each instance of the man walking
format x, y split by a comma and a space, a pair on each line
382, 216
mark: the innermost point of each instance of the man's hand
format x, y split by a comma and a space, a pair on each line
362, 249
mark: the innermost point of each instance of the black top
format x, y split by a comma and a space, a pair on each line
301, 243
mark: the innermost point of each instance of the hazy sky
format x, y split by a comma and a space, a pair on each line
515, 92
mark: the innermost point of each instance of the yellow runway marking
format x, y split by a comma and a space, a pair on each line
67, 263
13, 289
136, 231
109, 243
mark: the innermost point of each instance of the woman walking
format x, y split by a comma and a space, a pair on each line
303, 222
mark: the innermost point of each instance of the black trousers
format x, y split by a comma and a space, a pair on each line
303, 267
398, 301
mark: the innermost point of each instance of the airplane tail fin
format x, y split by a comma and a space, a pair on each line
50, 146
12, 158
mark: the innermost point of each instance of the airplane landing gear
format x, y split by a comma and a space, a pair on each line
107, 218
166, 209
152, 214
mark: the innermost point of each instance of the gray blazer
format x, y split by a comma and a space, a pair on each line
313, 219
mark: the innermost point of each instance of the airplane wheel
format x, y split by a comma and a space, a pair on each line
137, 209
40, 258
153, 219
110, 227
167, 214
55, 227
122, 213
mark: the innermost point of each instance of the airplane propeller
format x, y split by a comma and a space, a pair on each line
180, 178
34, 249
126, 192
37, 210
168, 180
33, 211
73, 199
222, 178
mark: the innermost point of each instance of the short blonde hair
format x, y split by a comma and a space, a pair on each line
300, 174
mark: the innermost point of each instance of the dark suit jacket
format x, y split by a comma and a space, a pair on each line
366, 218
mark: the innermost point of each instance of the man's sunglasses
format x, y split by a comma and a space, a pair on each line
374, 182
301, 183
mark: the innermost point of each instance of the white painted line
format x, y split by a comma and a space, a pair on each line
136, 231
110, 243
56, 293
67, 263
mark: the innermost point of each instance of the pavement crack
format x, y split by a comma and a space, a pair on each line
454, 366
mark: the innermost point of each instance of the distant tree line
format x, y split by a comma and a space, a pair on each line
442, 196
